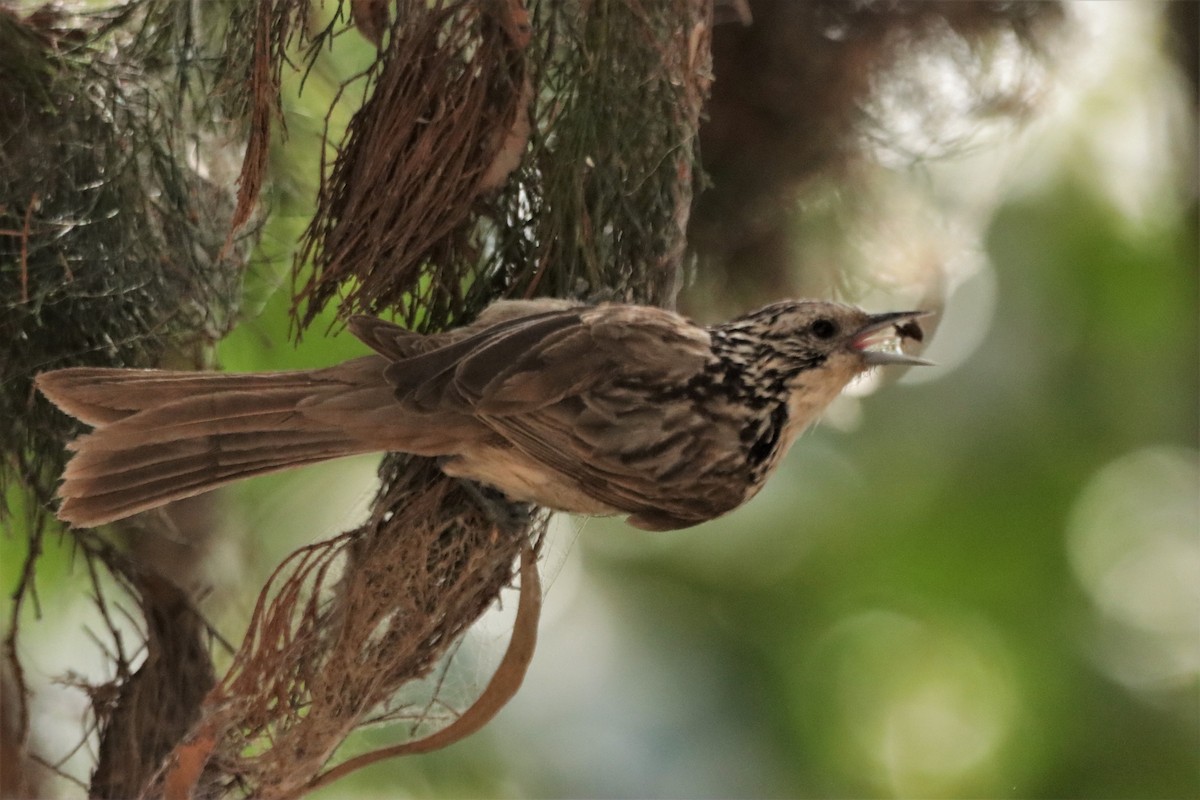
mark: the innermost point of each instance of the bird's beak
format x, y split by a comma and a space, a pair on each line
877, 323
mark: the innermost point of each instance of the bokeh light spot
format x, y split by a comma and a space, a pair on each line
925, 706
1134, 543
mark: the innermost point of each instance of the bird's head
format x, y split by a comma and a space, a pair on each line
833, 339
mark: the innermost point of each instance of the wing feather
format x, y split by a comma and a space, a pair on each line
389, 339
644, 473
430, 382
398, 343
593, 394
573, 352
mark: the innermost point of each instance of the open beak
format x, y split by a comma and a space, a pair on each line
867, 335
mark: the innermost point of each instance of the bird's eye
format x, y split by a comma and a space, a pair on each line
824, 328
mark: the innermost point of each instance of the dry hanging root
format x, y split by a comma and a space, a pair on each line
347, 623
157, 704
447, 119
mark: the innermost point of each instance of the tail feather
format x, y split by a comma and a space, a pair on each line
205, 414
103, 395
111, 470
104, 506
161, 436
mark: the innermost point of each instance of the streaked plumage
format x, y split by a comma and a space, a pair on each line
592, 409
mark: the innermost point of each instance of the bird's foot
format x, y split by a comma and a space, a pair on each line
505, 514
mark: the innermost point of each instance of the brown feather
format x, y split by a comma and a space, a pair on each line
162, 436
430, 382
95, 504
388, 339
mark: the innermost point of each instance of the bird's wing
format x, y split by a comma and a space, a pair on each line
389, 339
448, 378
672, 462
519, 365
644, 351
398, 343
597, 394
606, 403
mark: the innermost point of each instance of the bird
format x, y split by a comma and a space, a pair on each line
600, 409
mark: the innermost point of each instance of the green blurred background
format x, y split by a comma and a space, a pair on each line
980, 581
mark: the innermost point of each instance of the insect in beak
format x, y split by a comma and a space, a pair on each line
904, 323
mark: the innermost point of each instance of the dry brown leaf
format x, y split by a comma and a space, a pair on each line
371, 19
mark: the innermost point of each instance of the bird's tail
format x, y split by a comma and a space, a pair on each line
161, 436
